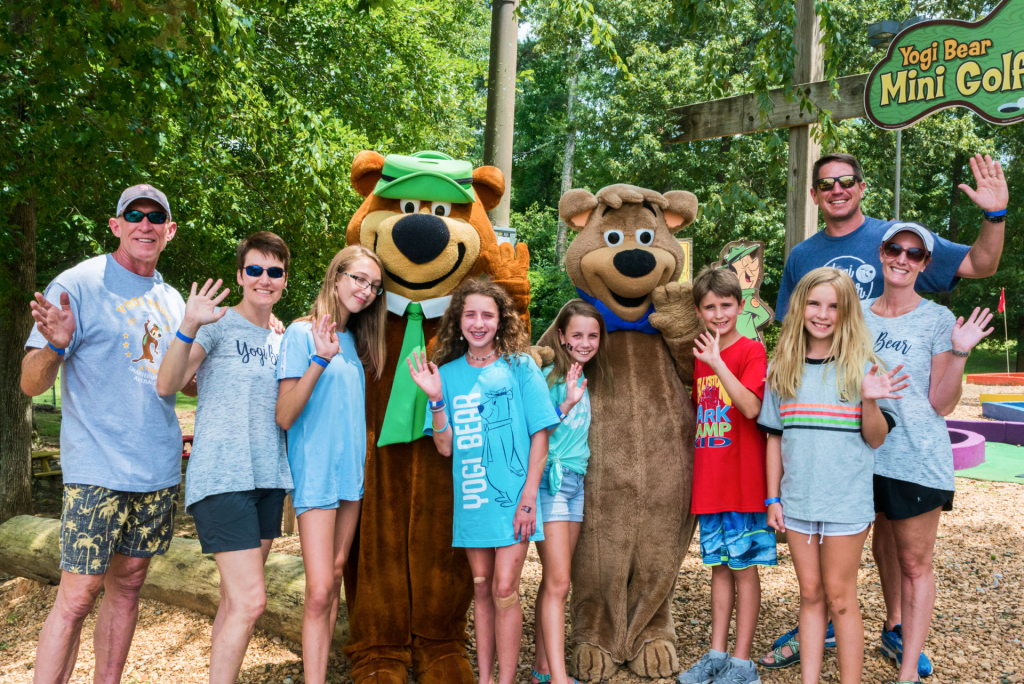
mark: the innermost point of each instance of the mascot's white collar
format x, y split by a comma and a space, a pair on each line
432, 308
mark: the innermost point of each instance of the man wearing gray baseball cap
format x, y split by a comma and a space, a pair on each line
105, 324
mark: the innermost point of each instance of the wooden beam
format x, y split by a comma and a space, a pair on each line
741, 114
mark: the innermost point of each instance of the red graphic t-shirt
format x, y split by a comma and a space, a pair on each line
729, 451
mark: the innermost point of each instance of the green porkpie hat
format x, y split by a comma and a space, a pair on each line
430, 176
738, 253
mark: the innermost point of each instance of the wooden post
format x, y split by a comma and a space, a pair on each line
501, 103
289, 523
801, 212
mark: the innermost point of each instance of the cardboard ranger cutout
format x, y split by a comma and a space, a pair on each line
745, 258
636, 522
407, 589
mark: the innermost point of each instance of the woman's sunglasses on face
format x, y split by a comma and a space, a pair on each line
257, 271
136, 216
914, 254
845, 182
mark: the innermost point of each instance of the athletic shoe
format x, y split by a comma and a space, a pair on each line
739, 674
830, 637
706, 671
892, 647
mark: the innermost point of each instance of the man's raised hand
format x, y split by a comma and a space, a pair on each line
55, 324
992, 193
201, 307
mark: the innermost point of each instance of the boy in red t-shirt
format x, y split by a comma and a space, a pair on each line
729, 479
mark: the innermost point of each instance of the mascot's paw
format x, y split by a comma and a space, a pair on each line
674, 314
505, 263
591, 663
656, 659
455, 669
542, 356
382, 671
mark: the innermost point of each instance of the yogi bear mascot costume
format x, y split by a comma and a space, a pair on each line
408, 590
636, 516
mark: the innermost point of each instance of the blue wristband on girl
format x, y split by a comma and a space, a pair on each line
184, 338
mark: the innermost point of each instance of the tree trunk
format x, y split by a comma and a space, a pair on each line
18, 277
959, 159
183, 577
568, 158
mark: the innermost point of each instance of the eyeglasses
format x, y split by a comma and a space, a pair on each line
365, 284
845, 182
257, 271
914, 254
136, 216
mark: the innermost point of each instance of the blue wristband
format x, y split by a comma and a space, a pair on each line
436, 406
60, 352
995, 214
319, 360
558, 412
183, 338
774, 499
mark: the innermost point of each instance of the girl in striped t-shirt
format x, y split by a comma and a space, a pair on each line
825, 410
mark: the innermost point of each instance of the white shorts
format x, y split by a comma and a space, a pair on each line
823, 529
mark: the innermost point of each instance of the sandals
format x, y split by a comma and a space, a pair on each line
545, 678
779, 660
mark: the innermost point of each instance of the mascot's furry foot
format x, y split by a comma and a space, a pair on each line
453, 669
656, 659
591, 663
382, 671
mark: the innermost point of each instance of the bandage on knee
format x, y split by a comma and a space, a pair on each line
505, 602
479, 580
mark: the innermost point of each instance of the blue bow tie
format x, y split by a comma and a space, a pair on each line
613, 322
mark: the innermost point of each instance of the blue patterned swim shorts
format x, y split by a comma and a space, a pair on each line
738, 540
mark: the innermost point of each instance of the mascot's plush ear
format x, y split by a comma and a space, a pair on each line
575, 206
681, 209
489, 184
366, 168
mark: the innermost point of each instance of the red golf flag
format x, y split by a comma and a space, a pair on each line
1002, 300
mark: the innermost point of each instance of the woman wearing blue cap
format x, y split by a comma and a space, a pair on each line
913, 480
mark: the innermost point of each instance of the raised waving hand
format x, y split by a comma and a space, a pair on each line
55, 324
325, 339
707, 349
426, 375
884, 385
968, 334
201, 307
574, 394
992, 193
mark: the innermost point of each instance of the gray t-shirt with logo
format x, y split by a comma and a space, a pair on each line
238, 444
828, 468
116, 431
918, 449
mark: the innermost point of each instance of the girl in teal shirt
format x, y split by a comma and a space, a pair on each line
580, 335
490, 411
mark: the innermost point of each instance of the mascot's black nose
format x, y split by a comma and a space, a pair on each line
634, 263
420, 237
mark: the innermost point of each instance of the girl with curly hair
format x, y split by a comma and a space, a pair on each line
490, 410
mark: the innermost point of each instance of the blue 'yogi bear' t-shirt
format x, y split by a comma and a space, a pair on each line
327, 442
116, 431
567, 446
857, 255
493, 412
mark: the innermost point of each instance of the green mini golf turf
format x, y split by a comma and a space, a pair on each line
1002, 463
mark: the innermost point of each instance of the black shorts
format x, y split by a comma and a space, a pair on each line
235, 521
900, 499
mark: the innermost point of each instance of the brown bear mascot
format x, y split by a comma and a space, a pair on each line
636, 521
407, 589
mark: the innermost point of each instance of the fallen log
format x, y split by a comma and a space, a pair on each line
183, 577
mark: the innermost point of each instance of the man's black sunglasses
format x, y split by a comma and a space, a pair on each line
914, 254
845, 182
136, 216
257, 271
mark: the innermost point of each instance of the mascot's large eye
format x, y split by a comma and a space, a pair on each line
441, 208
613, 237
645, 236
409, 206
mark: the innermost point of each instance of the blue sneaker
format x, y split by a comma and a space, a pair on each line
892, 647
830, 637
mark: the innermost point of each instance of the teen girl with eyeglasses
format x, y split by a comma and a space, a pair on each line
322, 405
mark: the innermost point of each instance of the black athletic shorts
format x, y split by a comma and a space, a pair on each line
234, 521
900, 499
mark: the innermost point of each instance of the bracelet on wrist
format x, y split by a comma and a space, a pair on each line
447, 424
184, 338
774, 499
558, 412
436, 406
319, 360
995, 214
60, 352
961, 354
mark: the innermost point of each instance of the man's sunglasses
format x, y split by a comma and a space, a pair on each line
845, 182
914, 254
365, 284
257, 271
136, 216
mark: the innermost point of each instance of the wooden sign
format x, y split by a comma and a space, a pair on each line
687, 275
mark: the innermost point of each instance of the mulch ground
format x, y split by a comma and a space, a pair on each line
976, 635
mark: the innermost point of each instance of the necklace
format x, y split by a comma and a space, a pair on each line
479, 358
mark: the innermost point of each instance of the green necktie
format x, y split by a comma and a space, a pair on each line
407, 405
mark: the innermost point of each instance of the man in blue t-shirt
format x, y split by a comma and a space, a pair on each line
850, 243
850, 239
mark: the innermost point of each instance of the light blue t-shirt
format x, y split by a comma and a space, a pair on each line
857, 255
493, 412
327, 442
567, 447
116, 431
